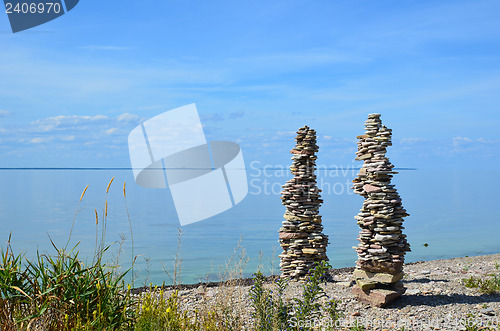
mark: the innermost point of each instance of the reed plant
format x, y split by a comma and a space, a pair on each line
59, 291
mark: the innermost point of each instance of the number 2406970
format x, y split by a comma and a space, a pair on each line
33, 8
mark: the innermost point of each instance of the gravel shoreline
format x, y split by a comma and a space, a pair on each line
435, 298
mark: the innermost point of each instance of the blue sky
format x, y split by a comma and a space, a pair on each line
72, 89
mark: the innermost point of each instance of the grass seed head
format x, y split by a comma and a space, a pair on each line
83, 193
111, 181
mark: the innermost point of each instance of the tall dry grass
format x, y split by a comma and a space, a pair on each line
58, 291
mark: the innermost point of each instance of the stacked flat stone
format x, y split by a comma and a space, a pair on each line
382, 244
301, 235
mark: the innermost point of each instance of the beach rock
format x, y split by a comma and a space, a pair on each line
377, 277
301, 236
377, 297
365, 284
488, 312
292, 235
371, 189
382, 244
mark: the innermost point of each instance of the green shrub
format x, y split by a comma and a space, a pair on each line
272, 312
488, 285
308, 307
154, 312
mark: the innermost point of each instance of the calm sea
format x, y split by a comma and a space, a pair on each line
454, 211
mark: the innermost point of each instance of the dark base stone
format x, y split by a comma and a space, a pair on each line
377, 297
381, 267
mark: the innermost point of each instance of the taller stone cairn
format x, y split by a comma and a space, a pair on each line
382, 245
301, 235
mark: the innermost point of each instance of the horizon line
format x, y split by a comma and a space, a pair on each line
121, 168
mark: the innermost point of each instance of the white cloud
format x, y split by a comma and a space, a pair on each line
412, 140
63, 122
106, 48
127, 117
60, 131
111, 131
4, 113
286, 133
39, 140
64, 128
457, 141
460, 140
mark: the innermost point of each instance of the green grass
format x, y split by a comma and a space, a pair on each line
273, 312
471, 324
59, 292
488, 285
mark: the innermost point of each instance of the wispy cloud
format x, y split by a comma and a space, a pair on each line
412, 140
235, 115
111, 131
127, 117
83, 130
463, 141
463, 148
39, 140
296, 60
73, 122
219, 117
106, 48
4, 113
215, 117
286, 133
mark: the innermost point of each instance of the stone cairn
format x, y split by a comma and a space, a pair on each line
301, 235
382, 246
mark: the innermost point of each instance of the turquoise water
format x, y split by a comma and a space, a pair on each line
454, 211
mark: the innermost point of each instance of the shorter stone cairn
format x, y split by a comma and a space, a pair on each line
301, 235
382, 246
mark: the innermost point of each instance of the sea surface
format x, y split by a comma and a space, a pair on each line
454, 212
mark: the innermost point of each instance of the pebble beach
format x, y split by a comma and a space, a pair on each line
435, 297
